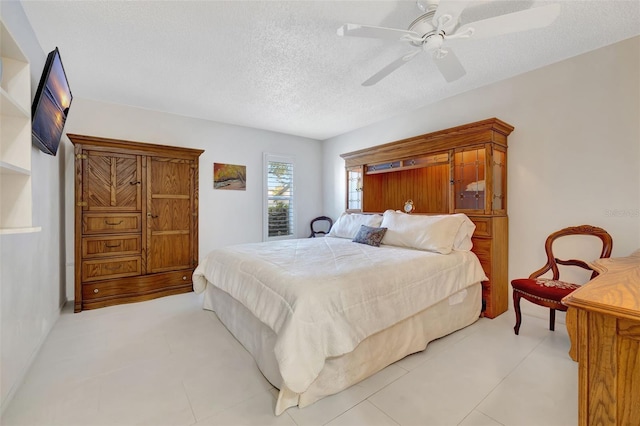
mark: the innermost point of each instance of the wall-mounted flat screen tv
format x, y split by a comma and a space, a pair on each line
50, 105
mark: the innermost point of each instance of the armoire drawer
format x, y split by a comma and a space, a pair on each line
103, 223
137, 286
99, 290
111, 245
102, 269
483, 226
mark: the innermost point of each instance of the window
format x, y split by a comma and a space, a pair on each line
279, 216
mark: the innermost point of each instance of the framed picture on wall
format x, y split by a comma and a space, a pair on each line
229, 176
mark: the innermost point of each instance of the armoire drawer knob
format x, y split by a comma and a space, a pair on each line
184, 278
95, 290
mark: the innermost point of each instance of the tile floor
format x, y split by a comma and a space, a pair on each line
168, 362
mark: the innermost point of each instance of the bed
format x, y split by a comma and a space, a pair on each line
321, 314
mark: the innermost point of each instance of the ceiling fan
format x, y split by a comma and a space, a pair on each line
432, 31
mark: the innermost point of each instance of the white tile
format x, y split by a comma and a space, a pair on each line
557, 343
58, 376
207, 335
439, 392
328, 408
56, 348
143, 395
130, 349
213, 388
168, 362
64, 405
447, 386
476, 418
543, 389
365, 414
258, 410
495, 349
154, 407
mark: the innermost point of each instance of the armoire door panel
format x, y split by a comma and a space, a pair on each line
127, 182
97, 185
170, 176
112, 181
170, 250
168, 214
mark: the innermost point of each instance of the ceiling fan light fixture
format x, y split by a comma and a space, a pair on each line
433, 42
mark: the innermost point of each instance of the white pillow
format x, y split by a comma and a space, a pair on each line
432, 233
463, 237
348, 224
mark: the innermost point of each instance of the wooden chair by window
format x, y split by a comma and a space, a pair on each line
549, 292
320, 226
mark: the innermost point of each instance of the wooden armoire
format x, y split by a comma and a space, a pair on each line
136, 220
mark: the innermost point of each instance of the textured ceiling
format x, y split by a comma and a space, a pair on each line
279, 65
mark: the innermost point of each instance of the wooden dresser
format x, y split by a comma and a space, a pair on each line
603, 321
136, 220
458, 170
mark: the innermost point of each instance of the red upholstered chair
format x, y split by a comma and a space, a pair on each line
549, 292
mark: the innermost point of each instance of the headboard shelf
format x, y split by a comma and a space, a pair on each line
458, 170
492, 130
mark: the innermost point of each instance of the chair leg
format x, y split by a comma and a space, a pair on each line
552, 319
516, 307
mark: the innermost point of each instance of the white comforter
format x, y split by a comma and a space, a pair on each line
323, 296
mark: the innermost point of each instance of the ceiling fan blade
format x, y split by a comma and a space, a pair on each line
448, 64
448, 13
357, 30
390, 68
524, 20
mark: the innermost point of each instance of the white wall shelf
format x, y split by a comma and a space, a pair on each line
15, 138
12, 169
8, 231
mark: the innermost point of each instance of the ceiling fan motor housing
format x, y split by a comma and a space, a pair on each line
430, 37
423, 24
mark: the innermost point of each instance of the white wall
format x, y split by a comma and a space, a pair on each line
226, 217
574, 156
31, 265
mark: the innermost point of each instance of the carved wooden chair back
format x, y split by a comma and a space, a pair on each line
550, 292
324, 221
553, 262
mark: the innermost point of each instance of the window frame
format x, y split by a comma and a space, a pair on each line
278, 158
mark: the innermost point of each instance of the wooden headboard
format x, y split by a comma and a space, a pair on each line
457, 170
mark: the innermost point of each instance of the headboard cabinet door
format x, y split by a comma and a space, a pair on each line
354, 189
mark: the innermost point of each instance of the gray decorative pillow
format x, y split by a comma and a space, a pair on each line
370, 236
